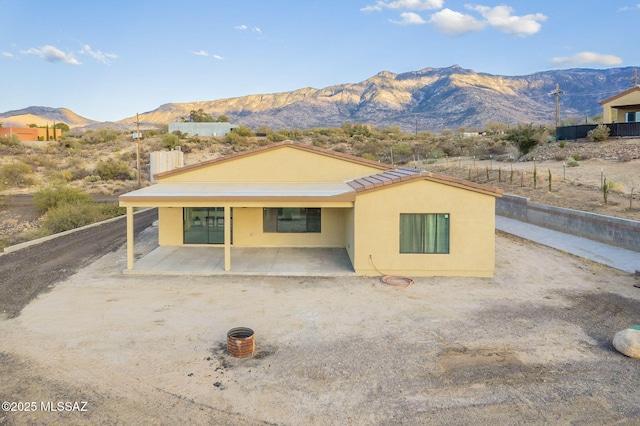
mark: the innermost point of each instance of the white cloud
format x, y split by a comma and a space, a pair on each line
105, 58
52, 54
409, 18
454, 23
218, 57
625, 8
201, 53
256, 30
404, 4
7, 54
240, 27
587, 58
501, 18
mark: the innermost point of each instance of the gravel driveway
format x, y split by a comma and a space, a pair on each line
531, 345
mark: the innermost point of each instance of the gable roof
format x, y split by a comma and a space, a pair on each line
405, 174
620, 95
256, 151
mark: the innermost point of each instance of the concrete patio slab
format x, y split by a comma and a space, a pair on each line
203, 261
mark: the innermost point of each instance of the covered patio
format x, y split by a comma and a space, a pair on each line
282, 261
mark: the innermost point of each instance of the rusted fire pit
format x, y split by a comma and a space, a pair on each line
240, 342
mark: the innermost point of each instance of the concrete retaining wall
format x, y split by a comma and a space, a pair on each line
605, 229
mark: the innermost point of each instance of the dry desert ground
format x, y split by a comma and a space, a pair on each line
530, 346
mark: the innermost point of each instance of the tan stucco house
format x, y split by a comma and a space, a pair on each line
402, 221
623, 107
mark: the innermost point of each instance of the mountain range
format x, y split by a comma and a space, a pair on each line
431, 99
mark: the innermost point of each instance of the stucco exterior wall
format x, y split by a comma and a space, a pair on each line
170, 226
472, 231
280, 165
202, 129
248, 229
615, 110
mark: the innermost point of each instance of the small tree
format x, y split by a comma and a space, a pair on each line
525, 137
170, 141
200, 116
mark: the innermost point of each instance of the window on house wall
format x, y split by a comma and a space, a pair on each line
633, 117
291, 220
424, 233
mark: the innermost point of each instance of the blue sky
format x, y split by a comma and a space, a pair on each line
109, 60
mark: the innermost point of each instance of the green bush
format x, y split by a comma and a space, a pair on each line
17, 175
243, 131
170, 141
115, 170
525, 137
71, 216
599, 134
572, 162
51, 197
236, 140
11, 145
100, 136
10, 141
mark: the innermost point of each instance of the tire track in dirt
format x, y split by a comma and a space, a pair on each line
26, 273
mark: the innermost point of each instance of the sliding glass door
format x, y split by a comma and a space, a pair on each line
204, 225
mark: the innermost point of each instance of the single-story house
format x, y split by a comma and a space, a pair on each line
623, 107
30, 134
400, 221
202, 129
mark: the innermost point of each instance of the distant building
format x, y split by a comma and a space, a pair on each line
202, 129
30, 134
623, 107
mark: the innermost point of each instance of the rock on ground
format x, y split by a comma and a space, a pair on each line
628, 342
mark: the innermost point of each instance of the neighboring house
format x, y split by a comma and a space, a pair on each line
25, 134
30, 134
407, 221
623, 107
202, 129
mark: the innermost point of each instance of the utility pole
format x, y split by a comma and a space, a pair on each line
138, 160
557, 92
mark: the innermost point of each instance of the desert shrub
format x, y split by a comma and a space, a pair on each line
243, 131
599, 134
100, 136
572, 162
70, 216
562, 144
368, 156
170, 141
17, 175
40, 161
51, 197
525, 137
236, 139
11, 145
10, 141
277, 137
115, 170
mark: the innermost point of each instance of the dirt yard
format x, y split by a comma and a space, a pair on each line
532, 345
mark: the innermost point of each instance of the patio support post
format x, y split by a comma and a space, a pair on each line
130, 251
227, 238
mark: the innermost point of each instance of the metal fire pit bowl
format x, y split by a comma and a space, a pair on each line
240, 342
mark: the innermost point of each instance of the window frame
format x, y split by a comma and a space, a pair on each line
424, 241
272, 223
